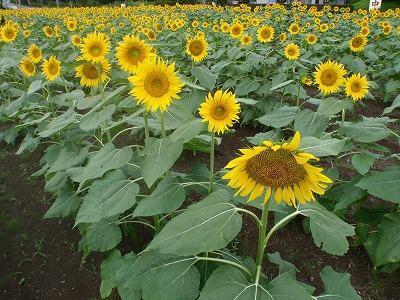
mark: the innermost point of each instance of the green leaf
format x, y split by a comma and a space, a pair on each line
108, 272
362, 163
102, 236
58, 124
281, 85
35, 86
388, 240
328, 230
160, 276
247, 101
161, 154
365, 131
395, 104
331, 106
108, 196
188, 130
66, 204
205, 226
167, 197
67, 157
205, 77
310, 123
28, 144
92, 120
106, 159
337, 286
280, 117
246, 86
384, 184
321, 148
345, 194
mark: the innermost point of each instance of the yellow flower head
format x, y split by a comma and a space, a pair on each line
95, 47
358, 43
76, 40
236, 30
197, 48
131, 51
311, 39
220, 110
292, 51
278, 170
27, 67
329, 77
8, 33
155, 84
356, 86
265, 34
48, 31
294, 28
92, 74
34, 53
51, 68
246, 40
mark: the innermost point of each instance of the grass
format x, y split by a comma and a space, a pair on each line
364, 4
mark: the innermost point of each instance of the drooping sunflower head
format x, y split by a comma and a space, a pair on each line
197, 48
246, 40
8, 33
95, 47
131, 51
329, 76
51, 68
236, 30
280, 170
27, 67
311, 39
92, 74
294, 28
356, 86
265, 34
34, 53
358, 43
292, 51
76, 40
220, 111
155, 84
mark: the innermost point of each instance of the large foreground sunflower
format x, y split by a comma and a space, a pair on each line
51, 68
34, 53
131, 51
8, 33
329, 77
95, 46
358, 43
27, 67
156, 84
292, 51
280, 170
356, 86
92, 74
265, 34
197, 48
220, 111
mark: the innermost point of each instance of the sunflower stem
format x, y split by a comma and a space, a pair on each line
210, 186
343, 115
261, 242
162, 125
146, 124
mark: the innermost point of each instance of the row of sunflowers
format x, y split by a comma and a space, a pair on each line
118, 97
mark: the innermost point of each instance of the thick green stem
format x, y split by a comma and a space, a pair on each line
210, 187
261, 242
163, 135
146, 124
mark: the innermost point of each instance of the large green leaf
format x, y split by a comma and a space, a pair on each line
384, 184
161, 155
280, 117
331, 106
321, 148
205, 77
92, 120
66, 204
395, 104
362, 163
67, 157
108, 272
246, 86
108, 196
58, 124
167, 197
102, 236
310, 123
159, 276
205, 226
337, 286
365, 131
188, 130
106, 159
328, 230
388, 240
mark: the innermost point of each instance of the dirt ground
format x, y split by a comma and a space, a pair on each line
39, 258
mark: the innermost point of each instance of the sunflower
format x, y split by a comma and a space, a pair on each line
197, 48
294, 28
34, 53
329, 77
72, 24
358, 43
225, 27
27, 67
265, 34
278, 170
292, 51
387, 29
26, 33
76, 40
311, 39
246, 40
155, 84
93, 74
220, 111
8, 33
356, 86
95, 46
48, 31
365, 30
131, 51
236, 30
282, 37
51, 68
151, 35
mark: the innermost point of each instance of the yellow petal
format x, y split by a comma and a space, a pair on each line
294, 144
257, 191
267, 195
278, 195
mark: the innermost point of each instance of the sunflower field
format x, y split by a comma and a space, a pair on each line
186, 142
